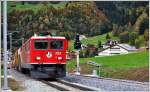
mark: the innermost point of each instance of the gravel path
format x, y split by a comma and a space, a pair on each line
30, 84
107, 84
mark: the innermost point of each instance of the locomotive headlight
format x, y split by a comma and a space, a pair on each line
60, 58
38, 58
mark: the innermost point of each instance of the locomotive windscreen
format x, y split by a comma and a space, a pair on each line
41, 44
56, 44
53, 44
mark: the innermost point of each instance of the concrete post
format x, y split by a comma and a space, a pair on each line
5, 43
99, 71
78, 66
95, 73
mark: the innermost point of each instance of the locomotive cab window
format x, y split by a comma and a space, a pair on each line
40, 44
56, 44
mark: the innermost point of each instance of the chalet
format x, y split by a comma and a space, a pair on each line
117, 49
82, 37
71, 55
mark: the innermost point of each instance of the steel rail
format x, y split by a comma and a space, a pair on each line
72, 85
54, 86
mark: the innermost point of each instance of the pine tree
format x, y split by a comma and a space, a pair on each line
132, 37
137, 43
108, 36
99, 45
124, 37
87, 52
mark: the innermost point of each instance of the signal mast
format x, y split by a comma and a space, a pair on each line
77, 46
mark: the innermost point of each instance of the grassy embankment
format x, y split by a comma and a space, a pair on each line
132, 66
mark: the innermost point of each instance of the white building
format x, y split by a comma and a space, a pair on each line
117, 49
82, 37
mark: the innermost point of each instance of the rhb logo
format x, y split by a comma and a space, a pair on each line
49, 55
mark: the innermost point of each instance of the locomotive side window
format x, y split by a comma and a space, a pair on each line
56, 44
40, 44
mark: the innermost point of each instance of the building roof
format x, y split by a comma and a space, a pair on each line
44, 37
127, 47
124, 46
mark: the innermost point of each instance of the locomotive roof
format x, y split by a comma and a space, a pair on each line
44, 37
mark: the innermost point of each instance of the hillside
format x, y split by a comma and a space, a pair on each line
62, 19
20, 6
92, 40
127, 21
114, 65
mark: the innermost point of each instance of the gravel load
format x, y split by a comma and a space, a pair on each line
108, 84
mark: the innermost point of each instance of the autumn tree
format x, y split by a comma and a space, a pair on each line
146, 37
115, 30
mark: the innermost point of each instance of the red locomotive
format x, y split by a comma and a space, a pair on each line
42, 55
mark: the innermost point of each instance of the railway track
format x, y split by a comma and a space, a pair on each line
81, 82
62, 85
56, 85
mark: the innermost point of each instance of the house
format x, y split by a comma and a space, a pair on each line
83, 46
91, 50
71, 55
117, 49
82, 37
109, 43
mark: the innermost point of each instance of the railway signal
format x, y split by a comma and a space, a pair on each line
77, 43
77, 46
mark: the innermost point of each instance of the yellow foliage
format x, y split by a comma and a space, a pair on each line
139, 20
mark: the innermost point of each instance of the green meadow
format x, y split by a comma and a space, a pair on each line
117, 62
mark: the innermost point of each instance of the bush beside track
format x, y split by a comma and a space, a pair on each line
13, 84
